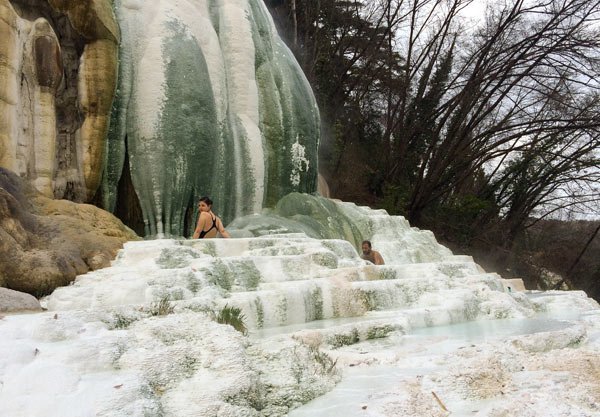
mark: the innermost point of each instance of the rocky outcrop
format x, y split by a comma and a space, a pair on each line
58, 70
15, 301
45, 243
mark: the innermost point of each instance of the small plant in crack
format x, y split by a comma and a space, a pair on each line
162, 307
234, 317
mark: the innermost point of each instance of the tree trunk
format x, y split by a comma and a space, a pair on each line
588, 243
294, 23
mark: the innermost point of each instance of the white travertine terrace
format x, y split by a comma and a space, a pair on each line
428, 321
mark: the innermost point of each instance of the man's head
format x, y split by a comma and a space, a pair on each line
366, 247
205, 204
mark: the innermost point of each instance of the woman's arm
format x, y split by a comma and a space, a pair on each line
221, 229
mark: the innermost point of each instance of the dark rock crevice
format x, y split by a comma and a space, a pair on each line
128, 208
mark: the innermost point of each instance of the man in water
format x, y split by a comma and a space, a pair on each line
208, 223
371, 255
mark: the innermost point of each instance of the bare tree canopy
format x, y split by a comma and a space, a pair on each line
495, 120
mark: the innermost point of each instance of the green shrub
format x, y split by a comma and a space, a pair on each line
234, 317
122, 321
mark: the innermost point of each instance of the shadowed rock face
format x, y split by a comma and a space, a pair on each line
45, 243
48, 63
58, 67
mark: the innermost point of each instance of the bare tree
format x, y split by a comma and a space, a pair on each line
526, 80
506, 112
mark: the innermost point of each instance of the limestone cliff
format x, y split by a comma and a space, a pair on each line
58, 68
141, 107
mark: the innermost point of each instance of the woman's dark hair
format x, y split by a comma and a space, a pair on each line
364, 241
206, 200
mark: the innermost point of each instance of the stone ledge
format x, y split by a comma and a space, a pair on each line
513, 285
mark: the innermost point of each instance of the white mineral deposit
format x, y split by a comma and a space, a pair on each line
427, 334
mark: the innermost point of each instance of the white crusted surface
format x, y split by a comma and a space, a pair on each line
396, 333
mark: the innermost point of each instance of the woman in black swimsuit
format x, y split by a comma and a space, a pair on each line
208, 223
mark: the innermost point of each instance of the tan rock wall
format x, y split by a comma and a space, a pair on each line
46, 243
97, 81
9, 81
61, 161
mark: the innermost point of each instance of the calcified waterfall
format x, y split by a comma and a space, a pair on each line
426, 322
210, 102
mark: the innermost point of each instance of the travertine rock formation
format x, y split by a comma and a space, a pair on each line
58, 68
45, 243
209, 101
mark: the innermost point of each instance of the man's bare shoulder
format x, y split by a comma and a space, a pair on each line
378, 258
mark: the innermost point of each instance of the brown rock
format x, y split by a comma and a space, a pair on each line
97, 83
46, 243
93, 19
48, 64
